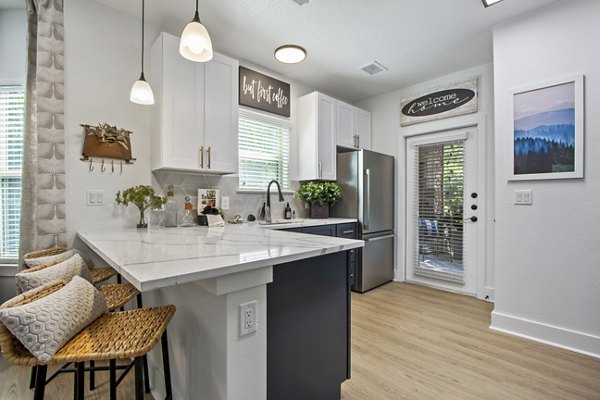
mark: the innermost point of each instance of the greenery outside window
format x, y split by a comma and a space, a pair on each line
264, 151
12, 110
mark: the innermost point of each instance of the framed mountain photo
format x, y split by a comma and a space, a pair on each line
547, 136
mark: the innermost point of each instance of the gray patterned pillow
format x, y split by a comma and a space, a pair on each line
47, 324
64, 270
56, 258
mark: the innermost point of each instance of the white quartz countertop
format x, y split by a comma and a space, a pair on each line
159, 257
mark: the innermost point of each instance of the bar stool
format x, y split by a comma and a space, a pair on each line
112, 336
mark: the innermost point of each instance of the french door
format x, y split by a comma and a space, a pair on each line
442, 203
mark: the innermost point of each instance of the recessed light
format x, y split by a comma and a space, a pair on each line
488, 3
290, 54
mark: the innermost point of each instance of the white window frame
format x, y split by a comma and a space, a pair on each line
8, 265
267, 118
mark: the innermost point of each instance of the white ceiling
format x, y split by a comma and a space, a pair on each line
416, 39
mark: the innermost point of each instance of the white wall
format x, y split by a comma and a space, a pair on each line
102, 60
548, 254
13, 51
389, 138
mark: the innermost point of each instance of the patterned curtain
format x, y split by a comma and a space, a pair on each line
43, 194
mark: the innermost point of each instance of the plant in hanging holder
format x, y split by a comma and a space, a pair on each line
110, 134
143, 197
320, 195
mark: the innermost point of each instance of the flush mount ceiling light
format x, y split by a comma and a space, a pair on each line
195, 43
290, 54
141, 92
488, 3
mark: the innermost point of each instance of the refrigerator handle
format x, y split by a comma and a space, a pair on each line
378, 238
367, 210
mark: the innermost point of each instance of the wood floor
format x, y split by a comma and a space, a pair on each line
412, 342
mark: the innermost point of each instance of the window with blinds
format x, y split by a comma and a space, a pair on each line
12, 110
439, 211
264, 151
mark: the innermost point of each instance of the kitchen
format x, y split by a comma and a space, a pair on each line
92, 64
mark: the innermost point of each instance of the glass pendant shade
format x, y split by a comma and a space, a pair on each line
195, 44
141, 92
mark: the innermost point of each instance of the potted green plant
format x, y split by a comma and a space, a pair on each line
320, 195
143, 197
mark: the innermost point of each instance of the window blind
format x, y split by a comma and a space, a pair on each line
264, 151
12, 109
439, 210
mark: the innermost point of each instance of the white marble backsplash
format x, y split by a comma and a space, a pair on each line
242, 203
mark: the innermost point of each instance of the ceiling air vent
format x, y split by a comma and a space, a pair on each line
374, 68
300, 2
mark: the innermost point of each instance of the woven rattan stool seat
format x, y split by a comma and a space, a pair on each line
101, 274
118, 294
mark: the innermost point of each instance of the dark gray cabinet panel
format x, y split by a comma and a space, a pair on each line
349, 231
308, 335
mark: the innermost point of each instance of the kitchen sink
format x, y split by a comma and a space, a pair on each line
281, 221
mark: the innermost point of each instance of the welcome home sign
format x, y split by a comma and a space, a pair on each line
448, 101
263, 92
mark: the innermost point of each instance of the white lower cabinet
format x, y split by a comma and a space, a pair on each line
194, 126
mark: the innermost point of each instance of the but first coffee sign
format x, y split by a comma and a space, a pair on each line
264, 93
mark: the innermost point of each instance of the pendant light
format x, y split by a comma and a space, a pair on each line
141, 92
195, 43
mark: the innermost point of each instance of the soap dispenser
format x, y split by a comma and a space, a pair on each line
288, 212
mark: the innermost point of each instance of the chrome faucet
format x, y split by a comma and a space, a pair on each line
268, 206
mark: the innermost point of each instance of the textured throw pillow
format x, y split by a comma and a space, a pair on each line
47, 324
65, 270
53, 259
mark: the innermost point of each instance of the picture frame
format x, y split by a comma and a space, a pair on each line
547, 135
208, 197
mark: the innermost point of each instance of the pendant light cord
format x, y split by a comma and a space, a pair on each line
143, 20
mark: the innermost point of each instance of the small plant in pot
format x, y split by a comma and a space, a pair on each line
320, 195
143, 197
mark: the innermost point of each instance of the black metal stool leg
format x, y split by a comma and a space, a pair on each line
112, 364
32, 377
75, 382
92, 375
80, 380
40, 382
164, 344
145, 359
139, 378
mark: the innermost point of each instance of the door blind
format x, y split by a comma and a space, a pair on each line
264, 152
438, 211
12, 107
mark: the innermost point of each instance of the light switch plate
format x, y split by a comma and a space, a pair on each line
94, 198
225, 202
523, 197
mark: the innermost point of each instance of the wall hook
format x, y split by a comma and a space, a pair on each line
103, 168
112, 167
91, 165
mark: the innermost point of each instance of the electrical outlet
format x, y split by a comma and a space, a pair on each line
247, 318
225, 202
94, 197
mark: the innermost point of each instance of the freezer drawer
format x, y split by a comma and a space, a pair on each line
375, 262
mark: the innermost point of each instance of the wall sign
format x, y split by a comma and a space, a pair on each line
264, 93
448, 101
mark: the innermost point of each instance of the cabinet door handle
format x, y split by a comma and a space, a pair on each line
349, 231
354, 141
320, 170
357, 141
208, 152
202, 157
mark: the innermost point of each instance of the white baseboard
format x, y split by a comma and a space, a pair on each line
554, 336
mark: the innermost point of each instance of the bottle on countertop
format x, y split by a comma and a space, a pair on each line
188, 218
170, 209
288, 212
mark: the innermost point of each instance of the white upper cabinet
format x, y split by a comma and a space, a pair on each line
317, 127
353, 127
194, 127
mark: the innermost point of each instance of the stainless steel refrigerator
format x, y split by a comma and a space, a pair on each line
367, 181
